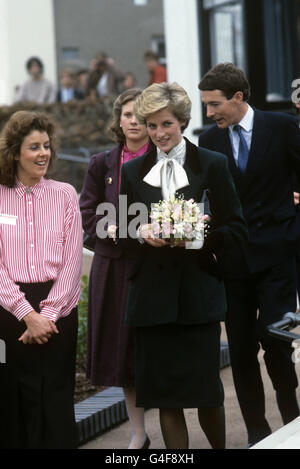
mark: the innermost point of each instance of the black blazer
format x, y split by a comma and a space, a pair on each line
265, 190
175, 285
78, 94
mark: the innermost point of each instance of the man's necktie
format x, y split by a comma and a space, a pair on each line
243, 150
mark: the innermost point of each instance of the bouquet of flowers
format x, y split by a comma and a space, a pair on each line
179, 220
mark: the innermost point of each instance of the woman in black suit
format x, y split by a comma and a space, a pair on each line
177, 299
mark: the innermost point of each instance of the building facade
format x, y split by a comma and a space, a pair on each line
26, 29
260, 36
123, 29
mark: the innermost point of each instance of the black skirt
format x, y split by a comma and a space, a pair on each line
37, 382
178, 366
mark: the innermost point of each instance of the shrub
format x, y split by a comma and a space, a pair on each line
82, 323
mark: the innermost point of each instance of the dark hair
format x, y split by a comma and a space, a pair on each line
21, 124
150, 55
34, 60
122, 99
227, 78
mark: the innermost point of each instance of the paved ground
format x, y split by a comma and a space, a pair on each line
119, 437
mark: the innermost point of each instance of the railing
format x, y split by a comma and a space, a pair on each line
74, 170
281, 329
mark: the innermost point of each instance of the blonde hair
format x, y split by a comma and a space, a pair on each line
160, 96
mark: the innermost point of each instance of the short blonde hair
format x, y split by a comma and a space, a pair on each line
160, 96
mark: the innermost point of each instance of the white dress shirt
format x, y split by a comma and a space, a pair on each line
247, 127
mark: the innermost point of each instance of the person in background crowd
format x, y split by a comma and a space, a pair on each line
158, 73
37, 89
263, 150
129, 81
68, 90
105, 78
40, 273
177, 299
81, 80
110, 354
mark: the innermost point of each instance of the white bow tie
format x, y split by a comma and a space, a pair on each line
169, 175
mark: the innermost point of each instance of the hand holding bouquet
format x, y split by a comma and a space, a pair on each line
179, 221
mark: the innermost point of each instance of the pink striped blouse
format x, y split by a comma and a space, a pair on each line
40, 240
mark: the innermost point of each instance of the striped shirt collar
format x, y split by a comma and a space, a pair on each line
37, 190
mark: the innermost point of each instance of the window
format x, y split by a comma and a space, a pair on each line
69, 53
281, 47
158, 45
226, 37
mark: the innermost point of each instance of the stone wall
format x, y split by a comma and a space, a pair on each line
79, 123
82, 130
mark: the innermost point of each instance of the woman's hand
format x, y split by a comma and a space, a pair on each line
39, 329
147, 234
112, 232
27, 338
296, 198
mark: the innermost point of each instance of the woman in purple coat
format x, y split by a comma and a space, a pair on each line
110, 355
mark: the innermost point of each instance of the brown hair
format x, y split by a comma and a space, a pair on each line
122, 99
21, 124
150, 55
227, 78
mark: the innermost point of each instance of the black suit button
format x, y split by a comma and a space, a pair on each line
258, 204
259, 224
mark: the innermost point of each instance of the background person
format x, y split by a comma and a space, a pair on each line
40, 269
37, 89
110, 355
129, 81
263, 150
157, 72
68, 87
105, 78
176, 299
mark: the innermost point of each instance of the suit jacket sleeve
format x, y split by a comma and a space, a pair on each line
126, 189
293, 145
93, 194
228, 226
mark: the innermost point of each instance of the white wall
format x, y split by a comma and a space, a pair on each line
26, 29
183, 55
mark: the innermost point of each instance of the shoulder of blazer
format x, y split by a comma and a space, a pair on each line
140, 166
108, 157
197, 157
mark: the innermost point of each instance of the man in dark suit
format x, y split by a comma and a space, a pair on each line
68, 90
263, 149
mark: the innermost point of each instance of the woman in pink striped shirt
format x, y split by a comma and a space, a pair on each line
40, 271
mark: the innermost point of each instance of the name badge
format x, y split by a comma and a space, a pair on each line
8, 219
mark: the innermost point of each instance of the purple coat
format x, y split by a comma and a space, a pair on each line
110, 347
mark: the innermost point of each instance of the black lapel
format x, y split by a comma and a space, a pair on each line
261, 135
147, 193
112, 161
